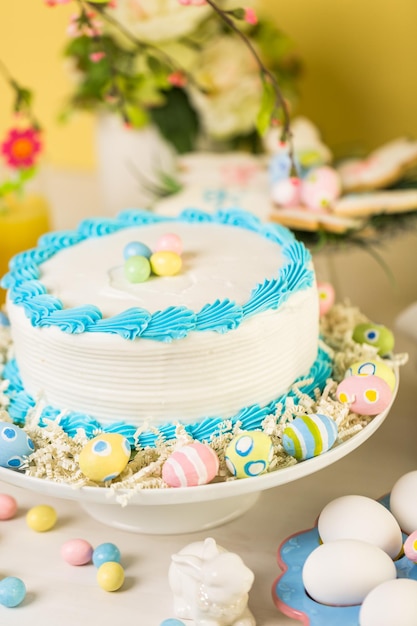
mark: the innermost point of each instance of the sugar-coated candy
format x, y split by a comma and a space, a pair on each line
375, 335
77, 551
366, 395
165, 263
110, 576
8, 506
320, 188
410, 547
170, 242
15, 446
191, 465
12, 591
41, 518
104, 457
106, 552
308, 436
286, 192
172, 621
137, 269
373, 368
326, 297
249, 454
136, 248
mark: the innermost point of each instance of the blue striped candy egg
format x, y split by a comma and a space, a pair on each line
309, 435
249, 454
15, 446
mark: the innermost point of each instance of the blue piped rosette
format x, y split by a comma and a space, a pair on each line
288, 590
26, 290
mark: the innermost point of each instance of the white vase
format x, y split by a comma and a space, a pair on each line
129, 164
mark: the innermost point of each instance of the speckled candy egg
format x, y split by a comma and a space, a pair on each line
326, 297
15, 446
320, 188
249, 454
189, 466
367, 395
104, 457
308, 436
375, 335
373, 368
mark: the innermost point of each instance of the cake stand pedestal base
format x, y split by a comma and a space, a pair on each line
171, 519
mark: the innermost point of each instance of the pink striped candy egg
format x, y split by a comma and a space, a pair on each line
189, 466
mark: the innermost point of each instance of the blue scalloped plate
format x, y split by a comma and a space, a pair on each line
288, 590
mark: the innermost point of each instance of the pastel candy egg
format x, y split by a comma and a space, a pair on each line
326, 297
77, 551
4, 320
137, 269
392, 603
166, 263
373, 368
110, 576
106, 552
343, 572
8, 506
375, 335
191, 465
367, 395
12, 591
170, 242
41, 518
286, 192
136, 248
249, 454
320, 188
308, 436
410, 547
362, 518
15, 446
104, 457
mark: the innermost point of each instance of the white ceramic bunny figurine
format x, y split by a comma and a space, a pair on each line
210, 585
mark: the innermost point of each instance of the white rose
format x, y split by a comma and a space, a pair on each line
230, 75
158, 20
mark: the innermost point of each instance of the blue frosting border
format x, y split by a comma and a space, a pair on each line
249, 418
44, 310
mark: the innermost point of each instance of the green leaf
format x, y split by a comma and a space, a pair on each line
136, 115
177, 120
268, 104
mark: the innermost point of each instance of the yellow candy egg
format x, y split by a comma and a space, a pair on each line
110, 576
104, 457
165, 263
249, 454
41, 518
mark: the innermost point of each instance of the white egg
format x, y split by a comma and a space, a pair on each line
392, 603
343, 572
403, 502
359, 517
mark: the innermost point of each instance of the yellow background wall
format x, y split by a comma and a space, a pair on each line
359, 84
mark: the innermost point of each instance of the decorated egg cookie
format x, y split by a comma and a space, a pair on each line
104, 457
320, 188
309, 435
367, 395
373, 368
15, 446
249, 454
375, 335
189, 466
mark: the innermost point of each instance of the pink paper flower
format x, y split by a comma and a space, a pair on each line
95, 57
177, 79
21, 147
250, 16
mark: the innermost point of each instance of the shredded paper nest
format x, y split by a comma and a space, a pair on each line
56, 454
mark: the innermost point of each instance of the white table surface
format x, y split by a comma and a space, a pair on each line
60, 594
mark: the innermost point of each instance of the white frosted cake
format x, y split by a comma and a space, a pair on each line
220, 343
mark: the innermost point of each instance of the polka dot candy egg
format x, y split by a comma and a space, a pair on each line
15, 446
308, 436
191, 465
104, 457
249, 454
367, 395
373, 368
375, 335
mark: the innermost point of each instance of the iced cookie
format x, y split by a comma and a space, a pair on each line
362, 205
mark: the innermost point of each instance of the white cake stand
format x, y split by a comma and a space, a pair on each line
187, 509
